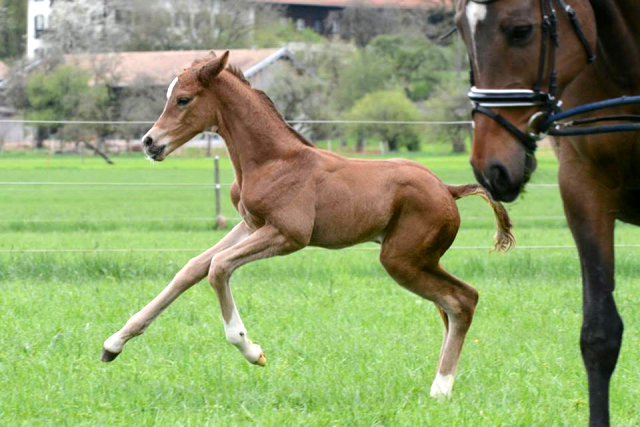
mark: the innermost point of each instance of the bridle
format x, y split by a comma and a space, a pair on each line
545, 121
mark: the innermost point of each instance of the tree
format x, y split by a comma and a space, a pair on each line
361, 23
362, 74
138, 102
65, 94
303, 96
449, 101
416, 62
13, 26
83, 26
385, 106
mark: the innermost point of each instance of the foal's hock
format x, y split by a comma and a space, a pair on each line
291, 194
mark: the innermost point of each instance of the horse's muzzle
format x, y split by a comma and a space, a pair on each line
499, 182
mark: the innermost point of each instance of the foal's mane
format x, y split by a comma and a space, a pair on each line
237, 72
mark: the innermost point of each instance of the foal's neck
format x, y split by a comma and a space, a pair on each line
253, 130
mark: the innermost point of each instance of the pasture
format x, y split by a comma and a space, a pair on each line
345, 345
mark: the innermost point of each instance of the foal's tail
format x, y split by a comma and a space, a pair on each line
503, 240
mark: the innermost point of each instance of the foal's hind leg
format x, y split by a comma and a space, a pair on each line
195, 270
456, 299
265, 242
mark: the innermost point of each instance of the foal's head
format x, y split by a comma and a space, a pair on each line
191, 108
504, 39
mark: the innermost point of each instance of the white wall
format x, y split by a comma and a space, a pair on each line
36, 7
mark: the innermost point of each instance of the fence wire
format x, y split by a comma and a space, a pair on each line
200, 250
293, 122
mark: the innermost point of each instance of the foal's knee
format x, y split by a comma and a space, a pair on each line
219, 272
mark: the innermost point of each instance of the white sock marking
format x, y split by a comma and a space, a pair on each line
442, 386
170, 90
236, 334
114, 343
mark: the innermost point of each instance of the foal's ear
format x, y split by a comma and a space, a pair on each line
211, 69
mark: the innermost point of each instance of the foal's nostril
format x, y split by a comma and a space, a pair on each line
147, 141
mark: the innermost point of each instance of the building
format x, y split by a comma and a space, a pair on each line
159, 68
37, 21
320, 15
323, 15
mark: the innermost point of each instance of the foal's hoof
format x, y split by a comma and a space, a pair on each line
108, 356
262, 360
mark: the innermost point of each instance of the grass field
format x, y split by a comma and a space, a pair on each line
346, 346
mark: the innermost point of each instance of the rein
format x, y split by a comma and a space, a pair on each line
548, 120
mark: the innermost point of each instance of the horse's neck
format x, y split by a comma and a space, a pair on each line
253, 131
619, 42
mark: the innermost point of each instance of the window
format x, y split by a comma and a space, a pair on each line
335, 27
300, 24
39, 25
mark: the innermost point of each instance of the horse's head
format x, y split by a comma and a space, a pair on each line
190, 108
511, 48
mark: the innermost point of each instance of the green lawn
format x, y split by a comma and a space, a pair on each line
345, 345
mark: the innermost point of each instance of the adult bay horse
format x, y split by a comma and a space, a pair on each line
530, 59
291, 195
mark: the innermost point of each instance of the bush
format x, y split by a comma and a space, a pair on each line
385, 106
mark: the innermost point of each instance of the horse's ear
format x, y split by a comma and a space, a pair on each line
211, 69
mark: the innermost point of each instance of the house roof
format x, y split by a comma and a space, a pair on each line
4, 71
159, 68
391, 4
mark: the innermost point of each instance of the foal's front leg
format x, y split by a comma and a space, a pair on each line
195, 270
265, 242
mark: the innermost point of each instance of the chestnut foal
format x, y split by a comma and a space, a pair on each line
291, 195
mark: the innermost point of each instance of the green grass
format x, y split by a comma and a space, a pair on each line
346, 346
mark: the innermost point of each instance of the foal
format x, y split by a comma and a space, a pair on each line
291, 195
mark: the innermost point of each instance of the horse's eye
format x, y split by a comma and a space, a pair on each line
519, 35
183, 101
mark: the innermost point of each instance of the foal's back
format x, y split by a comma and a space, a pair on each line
359, 200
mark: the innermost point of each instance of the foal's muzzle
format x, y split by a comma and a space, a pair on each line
153, 151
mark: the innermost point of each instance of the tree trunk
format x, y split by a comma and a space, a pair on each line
393, 144
457, 142
41, 134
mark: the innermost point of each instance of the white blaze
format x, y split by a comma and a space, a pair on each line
170, 90
476, 12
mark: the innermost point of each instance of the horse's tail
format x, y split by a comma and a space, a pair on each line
503, 240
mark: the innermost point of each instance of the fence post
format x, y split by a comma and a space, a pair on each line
221, 221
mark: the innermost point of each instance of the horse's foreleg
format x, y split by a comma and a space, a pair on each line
265, 242
591, 209
195, 270
601, 335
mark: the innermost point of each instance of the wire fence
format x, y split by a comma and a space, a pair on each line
311, 248
168, 184
218, 185
293, 122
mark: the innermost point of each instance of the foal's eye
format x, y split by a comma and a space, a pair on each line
183, 101
520, 34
